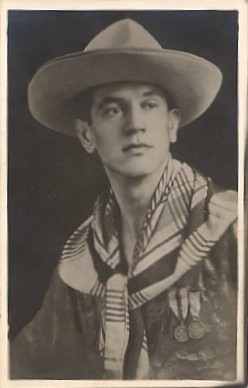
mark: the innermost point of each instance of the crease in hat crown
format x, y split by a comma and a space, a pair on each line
124, 33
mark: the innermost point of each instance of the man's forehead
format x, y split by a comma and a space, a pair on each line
122, 89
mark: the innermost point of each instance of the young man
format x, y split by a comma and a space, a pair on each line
144, 287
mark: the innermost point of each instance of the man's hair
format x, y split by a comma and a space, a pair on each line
83, 103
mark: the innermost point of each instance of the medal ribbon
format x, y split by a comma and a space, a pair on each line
195, 303
179, 302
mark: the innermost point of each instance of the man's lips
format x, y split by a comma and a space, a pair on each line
135, 146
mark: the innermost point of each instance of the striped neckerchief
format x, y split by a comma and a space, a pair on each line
177, 230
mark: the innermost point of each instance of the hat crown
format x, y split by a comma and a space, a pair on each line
126, 34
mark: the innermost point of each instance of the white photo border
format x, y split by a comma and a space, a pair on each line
241, 7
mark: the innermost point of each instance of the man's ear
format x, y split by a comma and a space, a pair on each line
173, 124
84, 135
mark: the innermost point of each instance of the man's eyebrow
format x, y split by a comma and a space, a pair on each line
108, 100
153, 92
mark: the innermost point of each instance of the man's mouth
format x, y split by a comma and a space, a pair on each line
136, 146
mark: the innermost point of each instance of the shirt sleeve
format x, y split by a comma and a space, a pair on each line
59, 342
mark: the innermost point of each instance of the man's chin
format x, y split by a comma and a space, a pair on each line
135, 173
134, 170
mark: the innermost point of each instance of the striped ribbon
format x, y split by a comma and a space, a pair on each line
116, 326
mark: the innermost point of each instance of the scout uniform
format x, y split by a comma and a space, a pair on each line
171, 315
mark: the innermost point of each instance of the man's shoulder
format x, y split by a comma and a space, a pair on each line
76, 259
204, 188
192, 178
78, 236
199, 180
191, 173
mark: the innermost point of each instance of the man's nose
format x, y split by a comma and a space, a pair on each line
135, 120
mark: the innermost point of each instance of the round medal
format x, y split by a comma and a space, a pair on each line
180, 333
196, 330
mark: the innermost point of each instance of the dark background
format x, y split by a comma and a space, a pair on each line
52, 184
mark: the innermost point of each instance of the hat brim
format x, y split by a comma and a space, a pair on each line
191, 81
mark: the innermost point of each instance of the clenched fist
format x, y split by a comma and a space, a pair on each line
222, 211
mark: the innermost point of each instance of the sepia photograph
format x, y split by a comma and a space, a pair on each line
123, 236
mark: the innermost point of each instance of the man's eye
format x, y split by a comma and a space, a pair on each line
150, 104
111, 111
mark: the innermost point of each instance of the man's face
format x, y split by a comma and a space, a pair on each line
131, 128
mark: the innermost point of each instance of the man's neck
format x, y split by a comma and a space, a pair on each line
133, 196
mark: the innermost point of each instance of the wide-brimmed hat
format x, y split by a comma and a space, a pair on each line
123, 52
